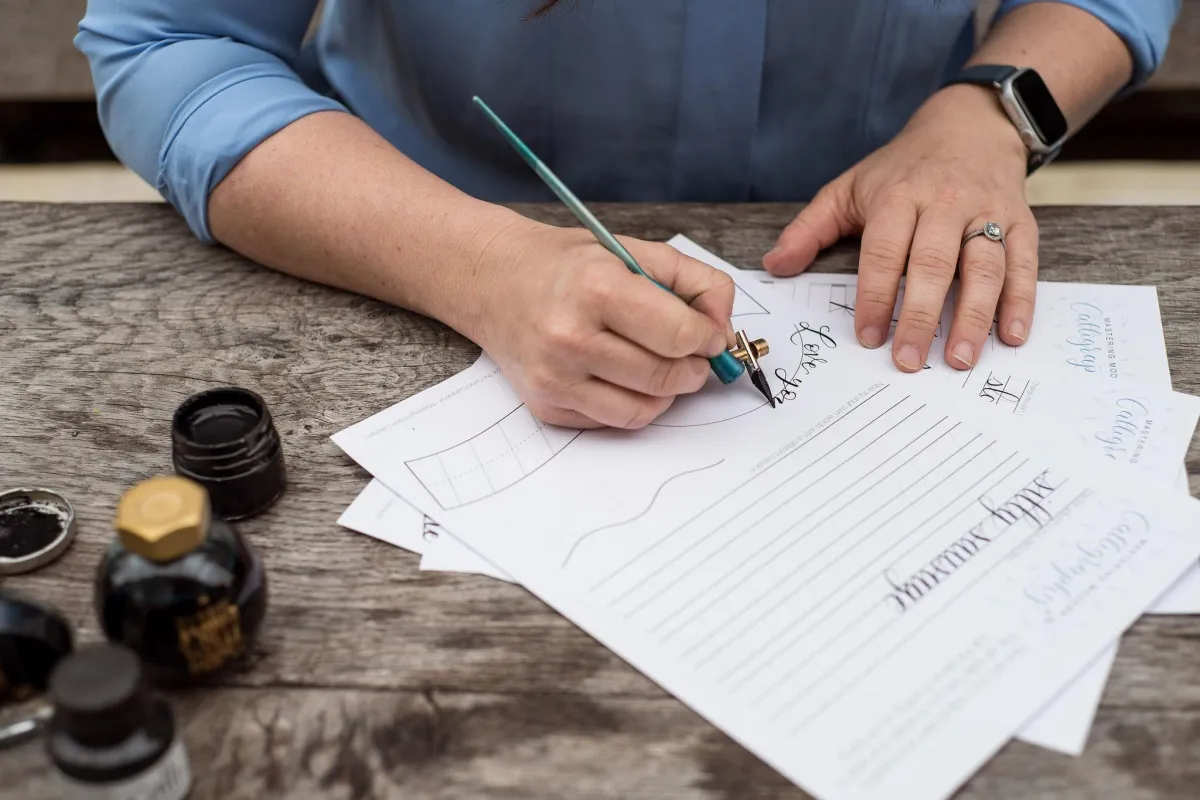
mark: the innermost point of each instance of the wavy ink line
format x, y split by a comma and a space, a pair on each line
644, 512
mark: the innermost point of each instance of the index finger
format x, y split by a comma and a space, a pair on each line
636, 309
705, 288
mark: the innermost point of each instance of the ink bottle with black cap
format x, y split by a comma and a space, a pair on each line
178, 585
108, 736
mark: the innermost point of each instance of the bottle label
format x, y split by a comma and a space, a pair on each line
210, 637
170, 778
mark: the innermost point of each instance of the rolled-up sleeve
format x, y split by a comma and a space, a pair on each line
1144, 26
185, 89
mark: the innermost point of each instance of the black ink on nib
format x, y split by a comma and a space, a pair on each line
760, 382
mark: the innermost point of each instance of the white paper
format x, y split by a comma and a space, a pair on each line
1098, 335
379, 513
1122, 321
1089, 338
1184, 596
614, 534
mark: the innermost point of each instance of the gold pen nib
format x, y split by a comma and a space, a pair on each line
749, 352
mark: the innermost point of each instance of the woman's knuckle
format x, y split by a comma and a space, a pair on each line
662, 378
934, 258
885, 253
921, 318
986, 266
976, 317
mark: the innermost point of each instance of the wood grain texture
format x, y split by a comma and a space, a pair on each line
372, 679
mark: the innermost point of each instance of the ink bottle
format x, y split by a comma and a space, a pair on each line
178, 585
225, 440
33, 639
108, 736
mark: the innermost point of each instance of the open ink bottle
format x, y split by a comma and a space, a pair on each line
178, 585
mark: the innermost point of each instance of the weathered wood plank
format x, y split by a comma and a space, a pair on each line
354, 744
110, 315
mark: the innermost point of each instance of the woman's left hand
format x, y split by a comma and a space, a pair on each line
956, 166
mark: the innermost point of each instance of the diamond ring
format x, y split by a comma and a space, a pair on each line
991, 230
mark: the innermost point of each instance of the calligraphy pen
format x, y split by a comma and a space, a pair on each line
729, 365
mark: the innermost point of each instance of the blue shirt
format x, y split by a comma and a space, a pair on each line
646, 100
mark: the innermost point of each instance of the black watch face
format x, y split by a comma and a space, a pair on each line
1040, 107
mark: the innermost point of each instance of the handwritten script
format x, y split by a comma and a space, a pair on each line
814, 344
1093, 330
1129, 420
1028, 504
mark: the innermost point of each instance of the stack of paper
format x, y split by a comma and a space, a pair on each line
875, 584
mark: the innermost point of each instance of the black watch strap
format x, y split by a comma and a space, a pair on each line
984, 75
994, 75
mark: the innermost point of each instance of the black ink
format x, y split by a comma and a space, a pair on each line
995, 389
821, 333
430, 530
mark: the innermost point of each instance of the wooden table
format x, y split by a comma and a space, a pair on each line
372, 679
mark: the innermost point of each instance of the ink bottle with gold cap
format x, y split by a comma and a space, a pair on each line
178, 585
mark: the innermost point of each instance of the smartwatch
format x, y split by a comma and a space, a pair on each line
1028, 103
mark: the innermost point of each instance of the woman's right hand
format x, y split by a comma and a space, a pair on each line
584, 341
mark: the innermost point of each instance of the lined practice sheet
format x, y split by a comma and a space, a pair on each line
868, 586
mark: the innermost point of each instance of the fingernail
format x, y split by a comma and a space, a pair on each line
771, 254
908, 357
1016, 330
716, 345
870, 337
963, 353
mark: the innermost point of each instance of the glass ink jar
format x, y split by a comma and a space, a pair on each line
225, 440
33, 639
108, 736
178, 585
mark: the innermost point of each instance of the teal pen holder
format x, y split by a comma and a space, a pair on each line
726, 367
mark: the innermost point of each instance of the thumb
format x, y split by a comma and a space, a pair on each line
818, 225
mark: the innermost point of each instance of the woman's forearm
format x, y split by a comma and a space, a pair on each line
1083, 62
327, 199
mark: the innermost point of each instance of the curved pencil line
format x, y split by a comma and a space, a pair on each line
643, 513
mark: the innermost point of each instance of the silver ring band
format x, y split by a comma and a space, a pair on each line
990, 231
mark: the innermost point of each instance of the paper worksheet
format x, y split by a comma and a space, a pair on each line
1093, 335
1114, 428
812, 576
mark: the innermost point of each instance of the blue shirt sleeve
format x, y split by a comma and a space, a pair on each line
1144, 26
185, 89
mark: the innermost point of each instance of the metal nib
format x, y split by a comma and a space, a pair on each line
760, 382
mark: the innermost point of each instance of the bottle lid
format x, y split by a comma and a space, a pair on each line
225, 440
99, 694
34, 637
36, 527
163, 518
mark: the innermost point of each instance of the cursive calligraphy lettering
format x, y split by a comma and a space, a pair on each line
1087, 331
995, 389
1067, 574
1025, 504
1125, 426
430, 530
1028, 503
943, 565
